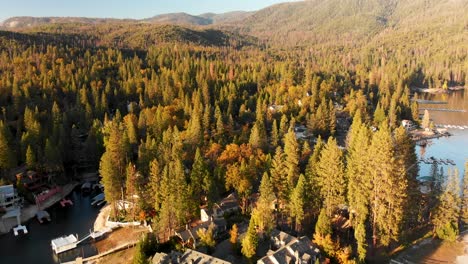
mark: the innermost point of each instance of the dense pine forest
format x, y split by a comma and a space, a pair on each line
182, 116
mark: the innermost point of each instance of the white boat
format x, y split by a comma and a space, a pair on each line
98, 199
41, 215
64, 243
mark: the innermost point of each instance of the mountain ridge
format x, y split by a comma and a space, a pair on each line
179, 18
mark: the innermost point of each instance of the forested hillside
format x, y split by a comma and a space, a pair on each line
183, 116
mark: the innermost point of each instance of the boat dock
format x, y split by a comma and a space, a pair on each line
422, 101
64, 243
70, 242
461, 127
443, 109
433, 160
27, 213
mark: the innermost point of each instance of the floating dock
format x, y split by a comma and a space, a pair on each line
64, 243
19, 228
432, 160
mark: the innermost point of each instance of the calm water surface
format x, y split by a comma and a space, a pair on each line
35, 246
454, 147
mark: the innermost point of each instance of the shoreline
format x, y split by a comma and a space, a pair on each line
29, 212
421, 135
438, 90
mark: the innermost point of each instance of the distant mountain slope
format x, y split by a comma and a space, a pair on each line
179, 19
327, 23
126, 35
28, 22
341, 21
227, 18
17, 23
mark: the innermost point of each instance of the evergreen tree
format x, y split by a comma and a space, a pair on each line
275, 137
297, 203
388, 190
7, 158
264, 210
197, 176
30, 158
140, 254
155, 179
426, 121
53, 160
250, 241
313, 199
257, 140
464, 207
323, 226
331, 176
207, 236
278, 173
291, 150
194, 133
113, 163
445, 219
407, 165
359, 180
379, 115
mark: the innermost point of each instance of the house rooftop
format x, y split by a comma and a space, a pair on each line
188, 257
228, 203
290, 250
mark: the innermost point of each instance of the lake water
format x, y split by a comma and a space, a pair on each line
35, 246
454, 147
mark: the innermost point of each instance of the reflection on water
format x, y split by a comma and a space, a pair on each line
454, 147
35, 246
455, 100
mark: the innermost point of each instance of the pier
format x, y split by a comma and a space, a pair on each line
443, 110
461, 127
421, 101
70, 242
433, 160
26, 213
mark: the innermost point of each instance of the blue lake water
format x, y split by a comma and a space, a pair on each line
454, 147
35, 246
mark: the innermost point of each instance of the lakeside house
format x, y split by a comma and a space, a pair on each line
9, 198
187, 257
285, 248
227, 205
408, 125
189, 235
215, 216
32, 180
